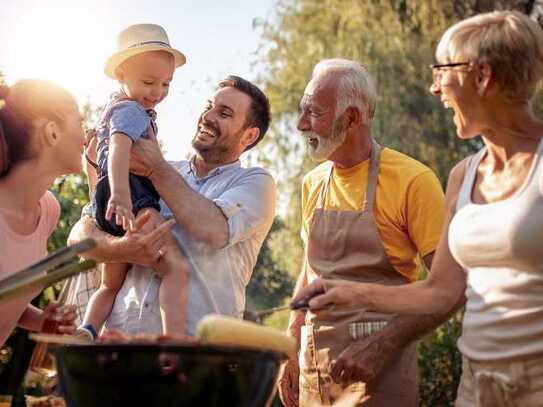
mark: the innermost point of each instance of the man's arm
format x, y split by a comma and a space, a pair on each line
199, 216
245, 208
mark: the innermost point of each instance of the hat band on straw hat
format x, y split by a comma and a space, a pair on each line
139, 44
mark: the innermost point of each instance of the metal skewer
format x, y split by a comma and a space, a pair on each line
300, 305
55, 259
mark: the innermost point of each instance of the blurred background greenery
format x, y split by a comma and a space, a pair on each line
395, 39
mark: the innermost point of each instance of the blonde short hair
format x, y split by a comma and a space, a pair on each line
509, 41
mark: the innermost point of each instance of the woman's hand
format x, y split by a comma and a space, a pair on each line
325, 294
58, 319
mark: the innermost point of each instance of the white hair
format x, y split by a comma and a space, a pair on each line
355, 88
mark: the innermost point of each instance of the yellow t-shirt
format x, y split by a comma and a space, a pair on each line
409, 205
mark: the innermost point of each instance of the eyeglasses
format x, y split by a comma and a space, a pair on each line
437, 69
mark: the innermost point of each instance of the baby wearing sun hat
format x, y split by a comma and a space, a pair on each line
143, 66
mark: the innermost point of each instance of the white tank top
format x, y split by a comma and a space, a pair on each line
500, 245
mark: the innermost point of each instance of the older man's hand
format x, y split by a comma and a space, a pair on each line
362, 360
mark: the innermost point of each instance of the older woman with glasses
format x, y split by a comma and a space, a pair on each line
490, 251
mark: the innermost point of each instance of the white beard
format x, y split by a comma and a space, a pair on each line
325, 146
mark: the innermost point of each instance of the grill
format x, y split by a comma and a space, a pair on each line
166, 376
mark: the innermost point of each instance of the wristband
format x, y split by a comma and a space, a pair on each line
88, 330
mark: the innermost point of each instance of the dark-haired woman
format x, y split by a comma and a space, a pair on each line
40, 139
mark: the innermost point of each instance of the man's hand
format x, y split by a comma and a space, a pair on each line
362, 360
135, 247
146, 157
145, 249
288, 383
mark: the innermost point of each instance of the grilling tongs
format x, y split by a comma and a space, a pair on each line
55, 267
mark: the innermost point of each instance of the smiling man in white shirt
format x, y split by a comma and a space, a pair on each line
222, 215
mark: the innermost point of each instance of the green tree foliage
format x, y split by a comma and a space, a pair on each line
72, 193
440, 365
270, 282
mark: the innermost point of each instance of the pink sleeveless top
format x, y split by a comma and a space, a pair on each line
19, 251
500, 245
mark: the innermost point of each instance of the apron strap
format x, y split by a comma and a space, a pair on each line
324, 189
373, 173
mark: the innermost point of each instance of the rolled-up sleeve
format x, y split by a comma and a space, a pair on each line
249, 205
129, 118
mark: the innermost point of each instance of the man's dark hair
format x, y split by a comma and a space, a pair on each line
259, 112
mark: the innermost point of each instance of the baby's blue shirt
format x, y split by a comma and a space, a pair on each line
120, 116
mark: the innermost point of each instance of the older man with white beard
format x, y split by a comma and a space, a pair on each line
368, 213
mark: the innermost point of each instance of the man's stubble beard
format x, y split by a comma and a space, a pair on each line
210, 154
216, 153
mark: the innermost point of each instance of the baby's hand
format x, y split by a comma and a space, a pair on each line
121, 206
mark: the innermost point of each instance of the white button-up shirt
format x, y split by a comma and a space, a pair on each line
218, 280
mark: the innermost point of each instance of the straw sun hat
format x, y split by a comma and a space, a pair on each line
137, 39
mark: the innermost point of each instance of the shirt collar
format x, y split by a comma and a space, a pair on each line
191, 170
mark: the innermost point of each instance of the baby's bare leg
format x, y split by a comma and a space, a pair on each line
101, 302
174, 269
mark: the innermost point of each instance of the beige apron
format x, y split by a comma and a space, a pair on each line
346, 245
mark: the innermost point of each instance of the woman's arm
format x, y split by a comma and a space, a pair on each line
31, 319
63, 316
438, 294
